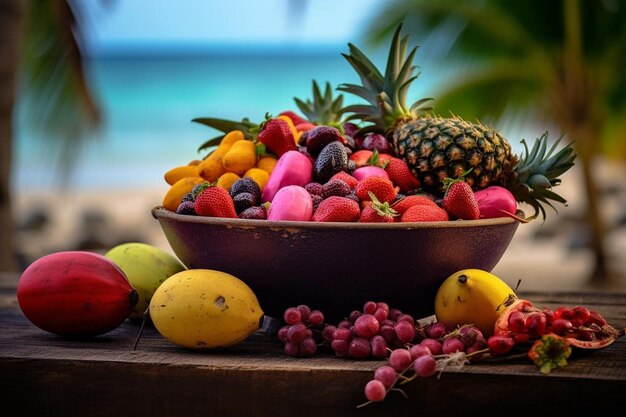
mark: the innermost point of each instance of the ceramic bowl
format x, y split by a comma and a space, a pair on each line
337, 267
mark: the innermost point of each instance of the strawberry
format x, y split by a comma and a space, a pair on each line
402, 205
381, 187
401, 176
366, 157
425, 213
337, 209
459, 200
215, 201
345, 177
377, 212
295, 118
277, 136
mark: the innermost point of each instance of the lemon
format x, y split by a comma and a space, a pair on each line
472, 296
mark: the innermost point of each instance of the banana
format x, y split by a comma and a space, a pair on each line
146, 267
472, 296
205, 309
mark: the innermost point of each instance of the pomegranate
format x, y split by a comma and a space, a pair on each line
581, 327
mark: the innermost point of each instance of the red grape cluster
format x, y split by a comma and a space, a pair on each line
299, 334
435, 349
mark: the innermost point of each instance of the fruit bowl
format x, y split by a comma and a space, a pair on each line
337, 267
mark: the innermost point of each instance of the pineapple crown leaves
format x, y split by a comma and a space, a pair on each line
250, 130
537, 172
324, 109
386, 94
383, 209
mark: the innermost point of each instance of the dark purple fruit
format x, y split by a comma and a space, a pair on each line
320, 136
254, 213
376, 141
186, 207
350, 129
243, 201
246, 185
332, 159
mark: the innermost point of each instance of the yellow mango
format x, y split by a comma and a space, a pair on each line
227, 141
211, 169
240, 157
176, 192
259, 176
173, 175
227, 180
267, 163
195, 162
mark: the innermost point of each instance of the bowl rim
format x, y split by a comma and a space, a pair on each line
160, 212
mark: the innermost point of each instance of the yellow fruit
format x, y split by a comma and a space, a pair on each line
240, 157
195, 162
225, 144
259, 176
472, 296
177, 173
176, 192
146, 268
295, 132
267, 163
211, 169
227, 180
205, 309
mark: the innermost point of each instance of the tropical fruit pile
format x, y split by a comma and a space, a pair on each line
384, 160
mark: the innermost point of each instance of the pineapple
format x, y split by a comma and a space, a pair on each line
436, 148
324, 109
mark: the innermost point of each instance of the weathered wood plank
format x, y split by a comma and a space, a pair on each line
45, 375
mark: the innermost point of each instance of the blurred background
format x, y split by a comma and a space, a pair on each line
97, 97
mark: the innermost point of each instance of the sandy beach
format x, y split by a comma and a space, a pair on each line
543, 255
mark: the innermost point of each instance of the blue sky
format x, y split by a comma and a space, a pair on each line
144, 23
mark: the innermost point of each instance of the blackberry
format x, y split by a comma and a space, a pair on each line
186, 207
243, 201
314, 188
353, 196
336, 187
246, 185
198, 188
317, 199
188, 197
254, 213
332, 159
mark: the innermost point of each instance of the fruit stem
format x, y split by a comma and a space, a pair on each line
143, 323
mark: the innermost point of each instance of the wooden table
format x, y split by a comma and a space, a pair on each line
45, 375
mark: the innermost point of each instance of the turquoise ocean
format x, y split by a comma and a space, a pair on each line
148, 103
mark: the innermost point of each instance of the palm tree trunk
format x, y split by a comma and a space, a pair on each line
600, 274
12, 14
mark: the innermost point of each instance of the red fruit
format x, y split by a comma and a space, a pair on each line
337, 209
595, 336
75, 293
402, 205
500, 345
425, 213
304, 126
400, 174
459, 201
295, 118
381, 187
377, 212
277, 136
366, 157
345, 177
215, 201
